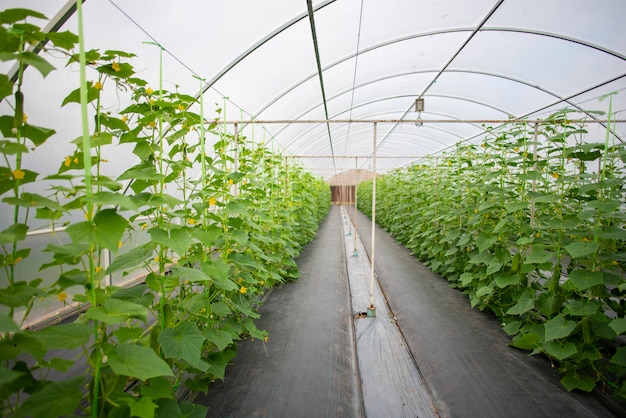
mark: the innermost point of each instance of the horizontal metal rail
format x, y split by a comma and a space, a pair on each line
417, 121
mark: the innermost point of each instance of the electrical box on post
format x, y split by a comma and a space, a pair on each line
419, 105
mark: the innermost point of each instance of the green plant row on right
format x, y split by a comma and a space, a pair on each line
530, 225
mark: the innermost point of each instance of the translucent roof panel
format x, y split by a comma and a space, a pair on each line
484, 59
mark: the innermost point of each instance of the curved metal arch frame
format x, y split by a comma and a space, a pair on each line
288, 144
559, 98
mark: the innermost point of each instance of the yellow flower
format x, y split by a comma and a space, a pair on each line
243, 289
76, 160
555, 175
212, 201
614, 262
67, 161
144, 225
62, 296
156, 259
98, 269
262, 282
116, 66
119, 244
149, 91
266, 338
97, 85
124, 118
18, 174
230, 182
191, 221
181, 107
24, 118
152, 124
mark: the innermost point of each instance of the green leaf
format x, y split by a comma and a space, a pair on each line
512, 328
611, 232
219, 361
558, 327
116, 311
191, 274
37, 134
15, 15
65, 40
102, 138
505, 279
105, 231
236, 208
14, 233
618, 325
29, 58
137, 361
6, 86
606, 205
581, 307
219, 337
8, 376
54, 400
582, 249
135, 258
494, 266
572, 381
178, 240
142, 407
21, 343
484, 241
66, 336
158, 388
183, 342
515, 206
220, 309
113, 123
526, 341
560, 351
619, 357
219, 271
112, 198
125, 70
74, 96
34, 200
584, 279
525, 302
12, 148
538, 256
143, 171
7, 324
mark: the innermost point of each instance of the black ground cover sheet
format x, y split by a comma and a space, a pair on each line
308, 368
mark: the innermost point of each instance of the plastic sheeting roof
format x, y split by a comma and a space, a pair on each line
479, 59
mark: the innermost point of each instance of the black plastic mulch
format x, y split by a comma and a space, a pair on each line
462, 352
307, 367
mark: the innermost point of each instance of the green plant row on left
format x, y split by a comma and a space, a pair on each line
223, 226
530, 225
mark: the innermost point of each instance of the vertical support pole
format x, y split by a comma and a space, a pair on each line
529, 280
371, 310
356, 181
236, 158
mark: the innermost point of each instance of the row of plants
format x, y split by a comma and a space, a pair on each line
225, 219
529, 224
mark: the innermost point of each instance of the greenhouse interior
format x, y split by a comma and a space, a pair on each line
330, 208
